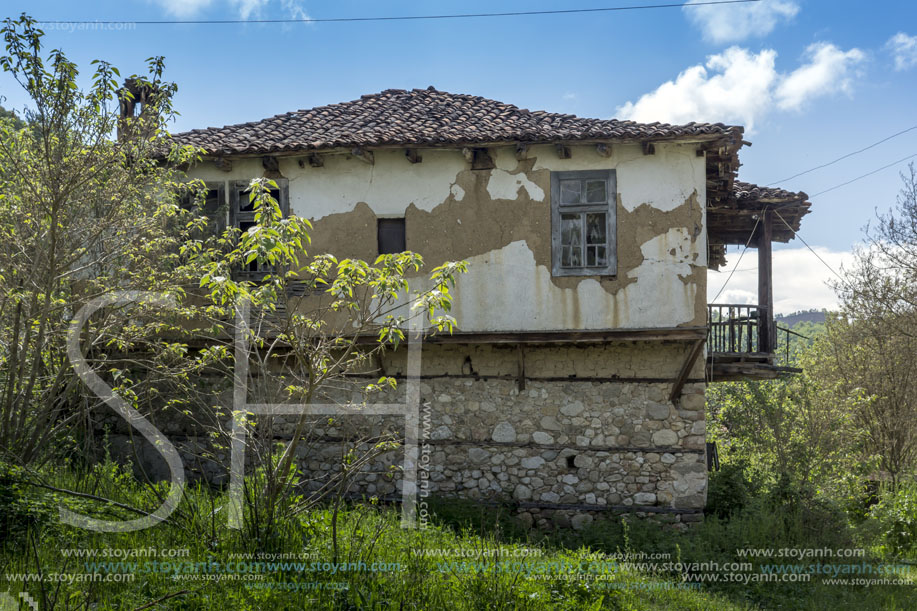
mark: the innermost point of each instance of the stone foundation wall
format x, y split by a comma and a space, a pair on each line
556, 430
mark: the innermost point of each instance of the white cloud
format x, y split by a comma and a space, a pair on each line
248, 7
736, 22
800, 279
828, 70
183, 8
295, 9
244, 8
569, 96
737, 86
904, 49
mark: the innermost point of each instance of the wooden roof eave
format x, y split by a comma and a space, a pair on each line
345, 149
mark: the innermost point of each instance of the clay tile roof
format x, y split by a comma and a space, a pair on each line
428, 117
747, 190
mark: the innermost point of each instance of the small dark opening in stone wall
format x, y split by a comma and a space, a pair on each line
571, 461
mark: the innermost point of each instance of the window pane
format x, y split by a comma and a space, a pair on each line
245, 205
571, 191
244, 226
595, 229
576, 256
565, 256
600, 259
595, 191
571, 228
391, 236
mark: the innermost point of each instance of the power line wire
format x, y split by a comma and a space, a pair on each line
844, 184
796, 235
747, 243
394, 18
825, 165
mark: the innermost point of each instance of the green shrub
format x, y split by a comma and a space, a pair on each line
729, 490
19, 511
896, 515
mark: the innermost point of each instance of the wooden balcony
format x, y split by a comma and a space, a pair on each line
742, 343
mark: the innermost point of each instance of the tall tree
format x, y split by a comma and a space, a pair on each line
80, 217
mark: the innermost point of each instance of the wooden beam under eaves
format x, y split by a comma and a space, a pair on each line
363, 155
413, 156
479, 158
563, 152
522, 151
270, 163
603, 150
649, 148
223, 164
315, 160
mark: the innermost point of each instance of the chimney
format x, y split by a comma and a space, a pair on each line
136, 99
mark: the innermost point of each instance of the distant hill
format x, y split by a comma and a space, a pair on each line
812, 316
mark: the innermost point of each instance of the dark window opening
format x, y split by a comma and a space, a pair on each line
247, 205
244, 226
242, 217
212, 206
391, 234
571, 461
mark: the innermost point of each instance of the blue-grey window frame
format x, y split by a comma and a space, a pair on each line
609, 208
238, 198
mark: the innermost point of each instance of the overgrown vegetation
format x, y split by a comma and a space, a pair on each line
466, 559
93, 205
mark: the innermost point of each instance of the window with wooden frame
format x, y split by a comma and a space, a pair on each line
242, 217
212, 205
583, 223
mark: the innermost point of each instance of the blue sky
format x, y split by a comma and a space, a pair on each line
812, 79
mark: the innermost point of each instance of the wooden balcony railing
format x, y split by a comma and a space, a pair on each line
738, 329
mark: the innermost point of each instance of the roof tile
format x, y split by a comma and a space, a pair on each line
425, 117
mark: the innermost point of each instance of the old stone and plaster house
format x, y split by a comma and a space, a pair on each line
575, 383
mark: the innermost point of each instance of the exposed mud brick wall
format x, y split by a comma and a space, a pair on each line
499, 220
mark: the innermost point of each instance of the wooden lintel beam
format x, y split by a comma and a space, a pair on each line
413, 156
603, 150
363, 155
672, 334
563, 151
686, 367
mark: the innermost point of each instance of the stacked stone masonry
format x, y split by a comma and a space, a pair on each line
585, 430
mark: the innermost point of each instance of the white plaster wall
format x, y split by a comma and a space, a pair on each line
504, 289
388, 186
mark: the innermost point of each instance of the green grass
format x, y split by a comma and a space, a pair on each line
502, 570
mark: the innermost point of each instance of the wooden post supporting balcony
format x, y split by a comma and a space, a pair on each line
766, 339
